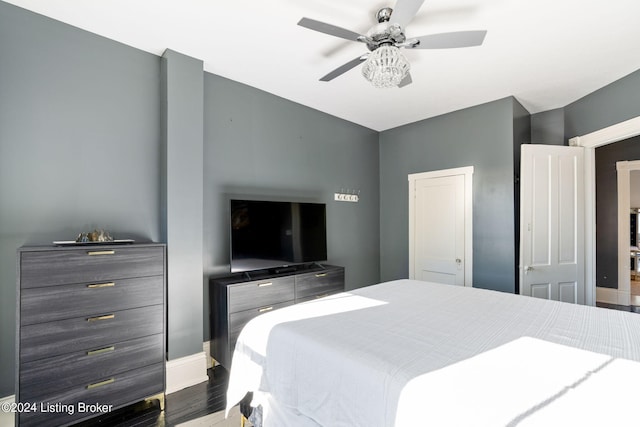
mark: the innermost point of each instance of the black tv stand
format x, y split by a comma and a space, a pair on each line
284, 269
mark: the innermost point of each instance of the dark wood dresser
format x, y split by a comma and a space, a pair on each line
236, 299
90, 330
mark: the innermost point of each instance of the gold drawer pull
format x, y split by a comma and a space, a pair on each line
321, 274
101, 350
262, 285
92, 253
101, 383
322, 296
101, 285
105, 317
265, 309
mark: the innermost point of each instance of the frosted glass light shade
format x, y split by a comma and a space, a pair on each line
385, 67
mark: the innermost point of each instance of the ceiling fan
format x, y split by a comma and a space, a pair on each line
384, 65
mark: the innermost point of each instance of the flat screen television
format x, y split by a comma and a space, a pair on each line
271, 234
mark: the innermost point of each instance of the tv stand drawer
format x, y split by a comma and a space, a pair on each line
259, 293
319, 283
239, 319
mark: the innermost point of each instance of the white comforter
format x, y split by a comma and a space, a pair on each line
414, 353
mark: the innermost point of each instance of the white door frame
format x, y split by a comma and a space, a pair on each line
624, 169
590, 141
467, 171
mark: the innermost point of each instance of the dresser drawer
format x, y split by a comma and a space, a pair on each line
260, 293
89, 265
42, 378
315, 297
116, 390
319, 283
67, 301
44, 340
238, 319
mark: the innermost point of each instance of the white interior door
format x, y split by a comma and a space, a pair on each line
552, 223
439, 229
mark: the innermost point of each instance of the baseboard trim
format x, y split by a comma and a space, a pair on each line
206, 347
186, 372
7, 418
612, 296
8, 399
624, 298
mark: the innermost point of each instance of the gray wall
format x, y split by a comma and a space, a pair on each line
79, 145
522, 129
480, 136
258, 145
547, 127
607, 106
182, 106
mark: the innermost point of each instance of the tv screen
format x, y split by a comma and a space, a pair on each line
268, 234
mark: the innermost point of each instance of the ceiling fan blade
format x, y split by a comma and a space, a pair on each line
450, 40
405, 10
332, 30
344, 68
406, 81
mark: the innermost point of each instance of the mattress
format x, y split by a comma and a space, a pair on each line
401, 351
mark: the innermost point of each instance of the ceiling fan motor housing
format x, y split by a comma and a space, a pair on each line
384, 33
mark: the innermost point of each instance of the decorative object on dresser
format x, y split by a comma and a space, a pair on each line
90, 330
97, 236
236, 299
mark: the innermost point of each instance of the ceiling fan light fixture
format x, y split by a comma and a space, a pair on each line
385, 67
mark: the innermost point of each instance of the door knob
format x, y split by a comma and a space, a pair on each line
527, 268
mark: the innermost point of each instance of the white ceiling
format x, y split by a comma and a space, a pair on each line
546, 53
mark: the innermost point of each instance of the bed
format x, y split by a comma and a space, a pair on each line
406, 353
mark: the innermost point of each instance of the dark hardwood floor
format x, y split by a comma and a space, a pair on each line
181, 406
